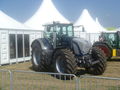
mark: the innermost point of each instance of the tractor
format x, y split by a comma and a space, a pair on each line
60, 51
109, 42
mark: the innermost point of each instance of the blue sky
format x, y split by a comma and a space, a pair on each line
108, 11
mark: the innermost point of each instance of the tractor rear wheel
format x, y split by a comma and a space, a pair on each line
38, 62
64, 62
100, 67
105, 47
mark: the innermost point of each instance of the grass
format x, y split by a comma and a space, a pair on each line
25, 81
113, 68
20, 66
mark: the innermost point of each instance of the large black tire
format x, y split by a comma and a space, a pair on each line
64, 62
105, 47
98, 68
38, 62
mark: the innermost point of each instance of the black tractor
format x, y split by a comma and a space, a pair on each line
61, 52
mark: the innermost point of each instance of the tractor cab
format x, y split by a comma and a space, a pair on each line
55, 33
113, 40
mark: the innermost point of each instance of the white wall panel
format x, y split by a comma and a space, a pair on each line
4, 47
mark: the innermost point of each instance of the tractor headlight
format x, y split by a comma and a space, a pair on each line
45, 48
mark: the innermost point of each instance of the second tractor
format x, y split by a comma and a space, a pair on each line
109, 42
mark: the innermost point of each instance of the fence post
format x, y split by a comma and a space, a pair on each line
11, 80
77, 83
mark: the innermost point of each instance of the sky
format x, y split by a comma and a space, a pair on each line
107, 11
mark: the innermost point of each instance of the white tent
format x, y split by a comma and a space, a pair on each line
91, 28
8, 22
100, 26
15, 40
85, 20
47, 13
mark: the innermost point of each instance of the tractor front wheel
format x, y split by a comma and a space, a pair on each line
100, 67
64, 62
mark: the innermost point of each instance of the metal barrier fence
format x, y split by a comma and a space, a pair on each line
5, 80
99, 83
28, 80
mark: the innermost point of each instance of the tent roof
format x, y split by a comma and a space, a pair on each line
99, 25
87, 22
8, 22
47, 13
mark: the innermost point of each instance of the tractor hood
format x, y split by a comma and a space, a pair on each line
81, 46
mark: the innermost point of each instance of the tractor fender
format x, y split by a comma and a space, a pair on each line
46, 48
80, 46
44, 43
76, 49
105, 47
101, 42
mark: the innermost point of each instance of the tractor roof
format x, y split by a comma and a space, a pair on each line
59, 24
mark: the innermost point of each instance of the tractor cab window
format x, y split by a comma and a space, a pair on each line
58, 29
70, 30
64, 31
112, 39
51, 29
118, 40
67, 30
48, 32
